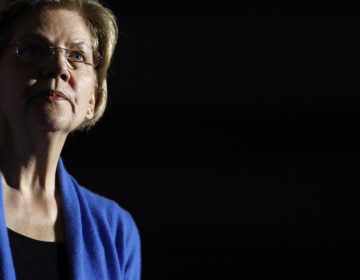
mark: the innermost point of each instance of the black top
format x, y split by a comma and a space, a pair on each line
34, 259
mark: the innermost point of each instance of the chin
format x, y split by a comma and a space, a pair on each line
52, 124
55, 120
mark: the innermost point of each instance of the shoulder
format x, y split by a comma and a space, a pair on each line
105, 210
94, 204
113, 222
99, 222
98, 210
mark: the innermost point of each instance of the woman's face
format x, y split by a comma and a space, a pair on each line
49, 92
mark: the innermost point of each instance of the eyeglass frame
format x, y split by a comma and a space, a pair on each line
53, 50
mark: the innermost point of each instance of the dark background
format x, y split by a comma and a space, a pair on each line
231, 135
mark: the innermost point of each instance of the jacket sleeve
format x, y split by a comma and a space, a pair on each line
132, 251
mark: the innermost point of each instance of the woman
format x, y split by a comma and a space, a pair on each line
54, 56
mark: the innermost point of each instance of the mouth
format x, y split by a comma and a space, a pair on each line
52, 95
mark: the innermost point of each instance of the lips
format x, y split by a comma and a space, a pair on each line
52, 95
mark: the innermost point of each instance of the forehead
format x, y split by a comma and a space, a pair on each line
58, 26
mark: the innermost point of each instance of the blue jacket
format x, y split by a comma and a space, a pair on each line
102, 239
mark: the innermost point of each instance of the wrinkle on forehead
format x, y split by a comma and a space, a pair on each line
57, 26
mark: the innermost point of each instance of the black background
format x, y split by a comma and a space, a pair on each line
231, 135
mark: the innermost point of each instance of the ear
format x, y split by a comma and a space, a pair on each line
90, 111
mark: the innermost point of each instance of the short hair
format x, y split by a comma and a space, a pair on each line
101, 22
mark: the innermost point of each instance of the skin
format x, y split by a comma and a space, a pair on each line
34, 127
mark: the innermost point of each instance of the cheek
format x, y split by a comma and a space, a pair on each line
14, 81
4, 80
8, 90
85, 90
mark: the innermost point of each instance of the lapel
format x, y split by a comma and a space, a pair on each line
7, 271
72, 221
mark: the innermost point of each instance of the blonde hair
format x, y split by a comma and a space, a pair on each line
103, 29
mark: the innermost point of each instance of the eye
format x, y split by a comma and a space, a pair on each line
77, 56
33, 50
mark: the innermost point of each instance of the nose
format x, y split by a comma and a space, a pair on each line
56, 66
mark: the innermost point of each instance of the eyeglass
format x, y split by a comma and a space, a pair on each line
35, 53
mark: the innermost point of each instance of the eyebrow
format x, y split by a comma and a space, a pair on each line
33, 36
80, 44
37, 36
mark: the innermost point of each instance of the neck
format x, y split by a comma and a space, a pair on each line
28, 171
